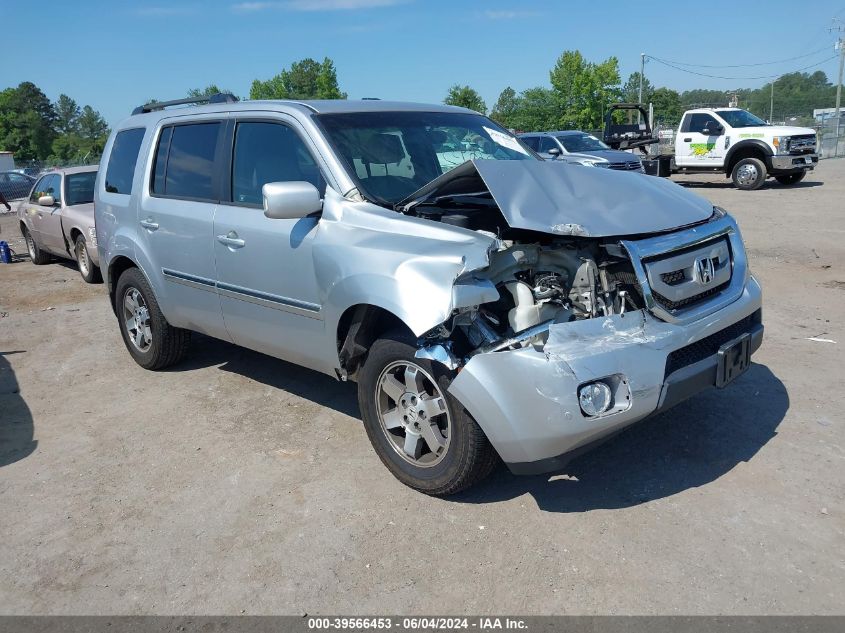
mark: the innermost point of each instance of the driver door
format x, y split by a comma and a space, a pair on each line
265, 267
701, 143
47, 221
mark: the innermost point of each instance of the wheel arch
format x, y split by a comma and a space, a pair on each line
752, 148
116, 268
358, 328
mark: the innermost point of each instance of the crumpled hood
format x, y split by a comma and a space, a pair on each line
563, 199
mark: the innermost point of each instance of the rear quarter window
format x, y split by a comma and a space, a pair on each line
122, 160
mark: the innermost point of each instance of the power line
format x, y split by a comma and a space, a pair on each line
693, 72
780, 61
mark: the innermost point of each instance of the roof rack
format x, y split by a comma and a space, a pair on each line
219, 97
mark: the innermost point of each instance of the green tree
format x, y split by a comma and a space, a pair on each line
506, 107
631, 89
67, 115
91, 125
465, 97
584, 89
305, 79
27, 120
199, 93
327, 87
700, 97
667, 106
537, 110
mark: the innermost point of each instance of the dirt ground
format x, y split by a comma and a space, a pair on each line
239, 483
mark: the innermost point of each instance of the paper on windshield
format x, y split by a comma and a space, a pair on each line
504, 140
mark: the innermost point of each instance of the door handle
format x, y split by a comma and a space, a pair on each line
231, 240
149, 224
687, 140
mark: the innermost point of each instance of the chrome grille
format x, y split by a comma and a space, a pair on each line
628, 166
684, 279
802, 144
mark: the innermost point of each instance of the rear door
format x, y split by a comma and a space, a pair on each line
176, 220
265, 267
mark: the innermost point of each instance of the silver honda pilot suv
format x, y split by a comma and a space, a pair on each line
489, 304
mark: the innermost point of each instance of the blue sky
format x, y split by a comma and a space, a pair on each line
115, 55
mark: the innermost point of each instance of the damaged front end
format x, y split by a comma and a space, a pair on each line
585, 332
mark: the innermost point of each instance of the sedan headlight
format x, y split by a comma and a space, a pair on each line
781, 144
592, 163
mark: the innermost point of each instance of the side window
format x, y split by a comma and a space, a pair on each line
699, 121
37, 189
124, 155
49, 185
685, 123
547, 143
533, 142
184, 163
269, 152
160, 164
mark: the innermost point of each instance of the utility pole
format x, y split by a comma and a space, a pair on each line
640, 98
642, 70
841, 45
839, 28
772, 103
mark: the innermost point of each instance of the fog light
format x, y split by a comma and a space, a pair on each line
595, 398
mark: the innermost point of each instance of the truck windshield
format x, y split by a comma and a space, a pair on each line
740, 118
581, 143
392, 154
79, 188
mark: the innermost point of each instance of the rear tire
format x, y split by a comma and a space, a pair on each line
90, 273
420, 414
749, 174
36, 255
791, 179
150, 339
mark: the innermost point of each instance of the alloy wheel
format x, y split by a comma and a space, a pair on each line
136, 317
413, 414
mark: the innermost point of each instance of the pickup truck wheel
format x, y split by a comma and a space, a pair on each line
791, 179
90, 273
150, 339
749, 174
420, 432
36, 255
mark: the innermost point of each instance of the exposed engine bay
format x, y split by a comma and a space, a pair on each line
538, 284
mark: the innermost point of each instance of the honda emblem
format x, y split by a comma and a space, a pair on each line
704, 270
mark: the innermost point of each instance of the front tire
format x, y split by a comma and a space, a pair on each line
791, 179
420, 432
749, 174
90, 273
150, 339
36, 255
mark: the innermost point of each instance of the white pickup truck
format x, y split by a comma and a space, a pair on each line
744, 147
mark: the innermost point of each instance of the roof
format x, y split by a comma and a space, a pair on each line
334, 106
559, 133
72, 170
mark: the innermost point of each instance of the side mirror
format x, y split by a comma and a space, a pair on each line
555, 152
713, 131
46, 201
290, 200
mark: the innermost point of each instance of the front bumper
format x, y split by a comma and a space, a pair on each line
789, 162
526, 400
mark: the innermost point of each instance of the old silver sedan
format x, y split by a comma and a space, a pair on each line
58, 219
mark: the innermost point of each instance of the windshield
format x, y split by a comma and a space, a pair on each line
581, 143
79, 188
740, 118
392, 154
